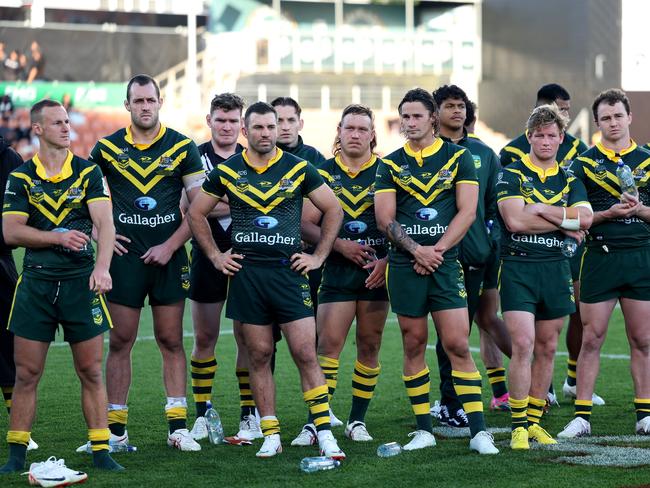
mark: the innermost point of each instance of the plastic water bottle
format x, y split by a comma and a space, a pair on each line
319, 463
489, 224
121, 448
626, 179
569, 247
215, 429
389, 450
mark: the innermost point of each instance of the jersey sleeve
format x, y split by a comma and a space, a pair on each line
577, 193
582, 147
212, 185
312, 180
384, 181
192, 163
466, 169
508, 186
96, 189
97, 158
16, 200
577, 169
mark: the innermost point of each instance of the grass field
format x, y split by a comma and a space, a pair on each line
59, 428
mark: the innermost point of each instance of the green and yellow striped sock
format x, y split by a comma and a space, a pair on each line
583, 409
535, 409
497, 379
417, 389
518, 412
364, 381
7, 393
468, 389
571, 372
270, 425
246, 402
319, 407
203, 371
642, 407
330, 367
98, 439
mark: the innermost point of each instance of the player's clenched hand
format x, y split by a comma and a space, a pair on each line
100, 281
119, 248
428, 258
226, 262
578, 235
158, 255
421, 270
303, 263
357, 253
623, 210
73, 240
377, 269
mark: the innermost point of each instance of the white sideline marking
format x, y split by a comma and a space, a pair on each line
149, 338
558, 353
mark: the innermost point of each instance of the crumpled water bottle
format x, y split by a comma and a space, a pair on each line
626, 179
213, 421
569, 247
389, 450
318, 463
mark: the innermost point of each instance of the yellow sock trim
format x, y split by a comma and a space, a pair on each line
416, 375
312, 394
176, 413
270, 426
18, 437
472, 375
118, 416
367, 370
98, 439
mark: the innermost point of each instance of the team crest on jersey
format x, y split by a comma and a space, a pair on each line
306, 299
98, 316
165, 166
638, 173
242, 185
462, 292
600, 171
123, 160
185, 277
527, 188
370, 196
73, 199
404, 175
36, 193
477, 161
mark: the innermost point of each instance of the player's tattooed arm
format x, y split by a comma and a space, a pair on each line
398, 236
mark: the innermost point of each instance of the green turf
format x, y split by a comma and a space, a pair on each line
60, 428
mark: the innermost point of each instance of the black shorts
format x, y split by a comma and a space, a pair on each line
207, 283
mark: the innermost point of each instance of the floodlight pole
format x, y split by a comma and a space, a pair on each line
191, 71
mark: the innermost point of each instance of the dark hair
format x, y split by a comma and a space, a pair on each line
551, 92
470, 113
259, 108
355, 109
226, 102
452, 92
37, 109
142, 80
422, 96
610, 97
287, 102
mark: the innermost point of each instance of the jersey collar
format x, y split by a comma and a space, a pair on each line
348, 171
66, 169
542, 173
278, 154
424, 153
129, 138
613, 155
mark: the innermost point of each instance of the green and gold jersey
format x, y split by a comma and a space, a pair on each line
356, 194
304, 152
265, 203
57, 204
146, 182
425, 186
530, 183
596, 168
477, 245
516, 149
